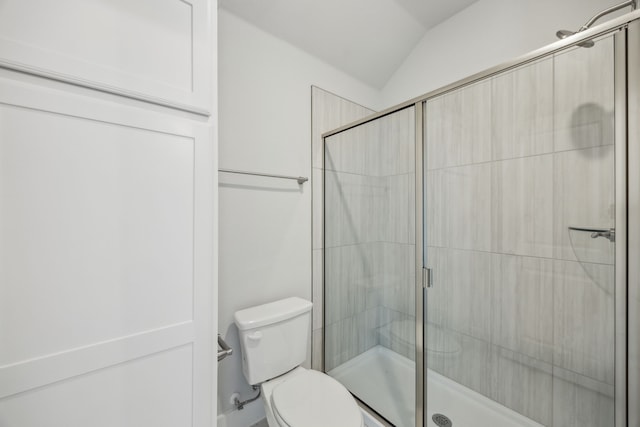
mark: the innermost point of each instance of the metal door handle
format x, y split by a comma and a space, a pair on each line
427, 278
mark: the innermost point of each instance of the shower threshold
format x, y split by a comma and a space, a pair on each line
385, 381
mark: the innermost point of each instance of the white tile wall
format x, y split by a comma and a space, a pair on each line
584, 320
350, 200
522, 216
584, 97
583, 196
454, 196
317, 235
517, 293
349, 272
522, 111
468, 365
394, 135
522, 314
577, 406
370, 238
511, 163
460, 299
459, 125
523, 384
328, 112
318, 294
394, 285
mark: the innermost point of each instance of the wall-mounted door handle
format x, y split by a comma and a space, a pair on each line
427, 278
226, 350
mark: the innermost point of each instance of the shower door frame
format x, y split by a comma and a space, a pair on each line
626, 33
632, 380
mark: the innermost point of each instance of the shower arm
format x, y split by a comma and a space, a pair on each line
612, 9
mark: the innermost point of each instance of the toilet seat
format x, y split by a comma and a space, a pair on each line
313, 399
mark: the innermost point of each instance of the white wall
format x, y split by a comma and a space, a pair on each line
485, 34
265, 126
265, 112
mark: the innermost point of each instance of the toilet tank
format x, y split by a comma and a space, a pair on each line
273, 337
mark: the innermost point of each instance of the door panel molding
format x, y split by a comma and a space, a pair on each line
182, 335
153, 51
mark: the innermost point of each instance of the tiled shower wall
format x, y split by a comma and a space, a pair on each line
370, 238
328, 112
522, 310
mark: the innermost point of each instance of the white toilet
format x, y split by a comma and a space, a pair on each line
274, 340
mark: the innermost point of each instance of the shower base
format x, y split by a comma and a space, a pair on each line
385, 381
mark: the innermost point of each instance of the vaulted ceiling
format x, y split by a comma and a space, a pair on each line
368, 39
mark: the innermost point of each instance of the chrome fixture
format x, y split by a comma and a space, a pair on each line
442, 420
225, 349
608, 233
240, 404
427, 278
562, 34
300, 179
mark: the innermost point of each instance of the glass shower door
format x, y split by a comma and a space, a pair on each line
369, 263
519, 235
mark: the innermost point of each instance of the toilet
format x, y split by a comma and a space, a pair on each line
273, 341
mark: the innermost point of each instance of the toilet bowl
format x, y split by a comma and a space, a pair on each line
273, 341
311, 399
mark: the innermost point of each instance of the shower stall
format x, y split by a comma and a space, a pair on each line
482, 242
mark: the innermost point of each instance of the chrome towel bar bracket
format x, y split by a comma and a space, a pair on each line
225, 349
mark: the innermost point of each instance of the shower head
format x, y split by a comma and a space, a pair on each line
562, 34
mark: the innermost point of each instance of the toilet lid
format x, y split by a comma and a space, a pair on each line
313, 399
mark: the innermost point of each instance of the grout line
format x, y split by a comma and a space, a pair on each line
516, 158
519, 255
368, 176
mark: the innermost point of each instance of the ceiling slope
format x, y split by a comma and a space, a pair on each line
367, 39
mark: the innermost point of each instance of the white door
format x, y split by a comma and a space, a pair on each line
107, 281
